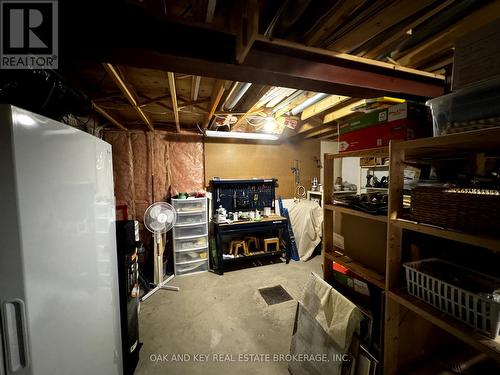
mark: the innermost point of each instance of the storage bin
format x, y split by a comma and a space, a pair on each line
470, 210
478, 309
472, 108
191, 219
191, 244
187, 232
189, 205
191, 256
184, 269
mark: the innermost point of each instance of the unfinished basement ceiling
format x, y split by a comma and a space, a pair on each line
389, 39
416, 34
136, 98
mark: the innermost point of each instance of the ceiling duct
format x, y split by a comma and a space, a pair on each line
235, 95
308, 102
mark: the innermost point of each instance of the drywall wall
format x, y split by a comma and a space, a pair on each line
247, 160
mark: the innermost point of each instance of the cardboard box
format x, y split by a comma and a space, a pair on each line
364, 120
410, 111
477, 56
381, 135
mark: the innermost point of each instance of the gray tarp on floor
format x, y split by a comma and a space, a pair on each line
325, 324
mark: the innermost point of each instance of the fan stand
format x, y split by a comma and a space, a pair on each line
158, 267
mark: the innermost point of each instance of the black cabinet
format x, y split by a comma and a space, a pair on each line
127, 237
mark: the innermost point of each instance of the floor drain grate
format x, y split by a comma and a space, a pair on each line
275, 294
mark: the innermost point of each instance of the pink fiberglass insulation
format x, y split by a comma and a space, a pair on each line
150, 167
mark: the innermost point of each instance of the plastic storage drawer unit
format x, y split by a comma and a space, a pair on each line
190, 234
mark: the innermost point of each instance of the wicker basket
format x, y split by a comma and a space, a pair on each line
479, 312
470, 210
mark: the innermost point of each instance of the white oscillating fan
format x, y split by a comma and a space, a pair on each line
159, 218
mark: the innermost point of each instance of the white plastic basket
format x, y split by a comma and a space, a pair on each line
479, 312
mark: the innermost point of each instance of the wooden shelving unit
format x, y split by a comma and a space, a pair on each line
456, 328
359, 269
397, 300
350, 211
468, 238
375, 223
330, 210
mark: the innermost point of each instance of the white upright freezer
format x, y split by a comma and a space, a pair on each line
58, 272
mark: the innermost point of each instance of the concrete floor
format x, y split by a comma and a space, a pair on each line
221, 315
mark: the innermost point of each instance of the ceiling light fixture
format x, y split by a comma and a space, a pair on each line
241, 135
269, 124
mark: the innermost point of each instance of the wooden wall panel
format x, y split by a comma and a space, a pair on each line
236, 160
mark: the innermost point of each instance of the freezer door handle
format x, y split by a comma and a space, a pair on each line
15, 335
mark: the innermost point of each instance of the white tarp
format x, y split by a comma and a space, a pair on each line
306, 218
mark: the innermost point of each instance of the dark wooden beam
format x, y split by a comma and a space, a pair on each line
157, 43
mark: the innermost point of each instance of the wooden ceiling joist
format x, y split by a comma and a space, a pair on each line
247, 27
288, 64
394, 36
322, 132
108, 117
378, 22
173, 96
127, 92
195, 87
337, 16
218, 91
444, 40
341, 112
312, 124
322, 105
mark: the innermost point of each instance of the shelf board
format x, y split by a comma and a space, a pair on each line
455, 327
468, 238
359, 269
315, 192
379, 151
385, 166
483, 140
255, 255
350, 211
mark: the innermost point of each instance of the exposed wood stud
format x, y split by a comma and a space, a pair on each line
173, 96
108, 117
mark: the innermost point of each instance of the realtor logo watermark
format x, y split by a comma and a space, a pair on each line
29, 34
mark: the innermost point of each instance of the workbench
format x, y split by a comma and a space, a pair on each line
272, 226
